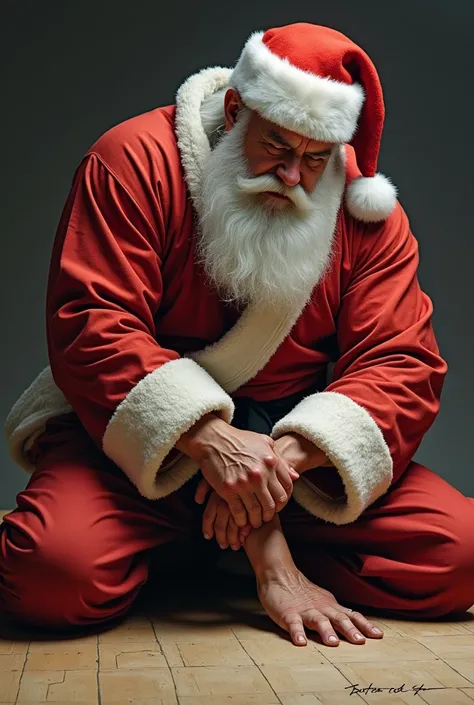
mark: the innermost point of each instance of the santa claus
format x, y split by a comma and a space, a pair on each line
213, 258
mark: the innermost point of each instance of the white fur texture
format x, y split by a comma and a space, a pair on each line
251, 342
353, 442
153, 416
232, 360
250, 251
371, 199
212, 115
39, 402
193, 142
164, 404
316, 107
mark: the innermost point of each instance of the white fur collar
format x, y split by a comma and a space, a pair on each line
193, 141
246, 348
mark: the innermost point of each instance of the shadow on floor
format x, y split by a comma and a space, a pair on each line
193, 585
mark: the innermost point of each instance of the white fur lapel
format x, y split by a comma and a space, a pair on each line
192, 140
245, 349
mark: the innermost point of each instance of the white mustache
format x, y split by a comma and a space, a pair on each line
267, 182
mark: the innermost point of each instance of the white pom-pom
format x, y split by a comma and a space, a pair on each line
371, 199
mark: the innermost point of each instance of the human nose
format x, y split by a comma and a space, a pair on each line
289, 171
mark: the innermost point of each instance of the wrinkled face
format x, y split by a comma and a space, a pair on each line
260, 236
269, 149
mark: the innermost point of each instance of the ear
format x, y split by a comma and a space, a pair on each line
232, 104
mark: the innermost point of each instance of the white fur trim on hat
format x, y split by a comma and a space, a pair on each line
371, 199
314, 106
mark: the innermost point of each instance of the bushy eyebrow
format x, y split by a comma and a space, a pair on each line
278, 138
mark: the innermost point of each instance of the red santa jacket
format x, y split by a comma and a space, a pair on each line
141, 347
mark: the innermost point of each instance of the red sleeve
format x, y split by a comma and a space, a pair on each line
389, 360
387, 381
134, 397
104, 289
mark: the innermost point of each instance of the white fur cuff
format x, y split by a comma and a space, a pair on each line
351, 439
153, 416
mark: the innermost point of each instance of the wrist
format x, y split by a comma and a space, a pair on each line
300, 453
195, 441
282, 572
268, 552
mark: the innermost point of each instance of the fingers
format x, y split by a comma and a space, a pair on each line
201, 492
244, 532
268, 491
341, 620
267, 503
284, 475
294, 474
317, 621
237, 510
364, 625
294, 625
220, 524
279, 495
217, 521
352, 625
209, 516
256, 498
233, 531
254, 509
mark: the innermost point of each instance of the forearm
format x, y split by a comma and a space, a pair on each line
302, 454
268, 551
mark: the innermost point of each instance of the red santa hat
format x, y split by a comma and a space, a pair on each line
315, 81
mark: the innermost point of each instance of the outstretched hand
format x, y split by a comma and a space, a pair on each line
293, 602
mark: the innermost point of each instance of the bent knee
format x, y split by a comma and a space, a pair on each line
458, 593
54, 579
453, 560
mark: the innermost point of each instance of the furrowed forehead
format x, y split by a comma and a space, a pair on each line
292, 140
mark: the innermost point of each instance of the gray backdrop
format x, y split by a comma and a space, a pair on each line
74, 69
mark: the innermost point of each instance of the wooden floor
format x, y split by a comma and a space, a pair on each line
189, 642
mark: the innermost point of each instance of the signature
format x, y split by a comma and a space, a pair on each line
403, 688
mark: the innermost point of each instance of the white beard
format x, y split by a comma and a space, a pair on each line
251, 252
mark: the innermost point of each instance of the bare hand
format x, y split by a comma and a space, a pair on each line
293, 602
243, 468
218, 521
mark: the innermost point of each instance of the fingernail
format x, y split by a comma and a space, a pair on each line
223, 546
333, 639
235, 547
206, 536
300, 639
358, 637
376, 630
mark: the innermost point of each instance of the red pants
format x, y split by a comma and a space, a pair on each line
77, 549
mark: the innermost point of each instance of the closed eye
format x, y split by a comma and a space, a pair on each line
275, 150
